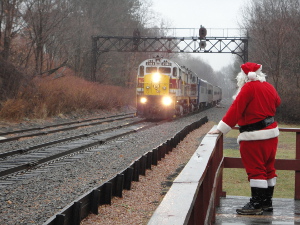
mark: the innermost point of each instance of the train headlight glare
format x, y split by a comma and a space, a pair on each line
167, 101
156, 78
143, 100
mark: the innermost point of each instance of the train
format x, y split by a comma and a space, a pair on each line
167, 90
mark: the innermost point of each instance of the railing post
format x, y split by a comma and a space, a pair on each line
220, 158
297, 172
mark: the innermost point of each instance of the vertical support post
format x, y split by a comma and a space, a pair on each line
119, 185
245, 51
128, 178
143, 161
60, 219
77, 213
149, 160
136, 170
297, 173
94, 58
154, 157
220, 185
95, 201
159, 153
106, 193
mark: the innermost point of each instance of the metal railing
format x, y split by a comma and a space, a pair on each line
196, 192
280, 164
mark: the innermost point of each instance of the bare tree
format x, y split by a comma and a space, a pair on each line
43, 18
269, 25
273, 27
58, 32
9, 27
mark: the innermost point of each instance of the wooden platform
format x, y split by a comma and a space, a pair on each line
286, 212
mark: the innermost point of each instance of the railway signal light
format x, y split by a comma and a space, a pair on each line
202, 44
202, 32
202, 35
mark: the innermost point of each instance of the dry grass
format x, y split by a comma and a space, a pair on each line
48, 97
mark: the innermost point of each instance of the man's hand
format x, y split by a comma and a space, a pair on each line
215, 132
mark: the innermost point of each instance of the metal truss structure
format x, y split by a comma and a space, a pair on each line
233, 45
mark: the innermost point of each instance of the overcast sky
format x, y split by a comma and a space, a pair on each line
209, 13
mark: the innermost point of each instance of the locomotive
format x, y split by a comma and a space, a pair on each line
165, 90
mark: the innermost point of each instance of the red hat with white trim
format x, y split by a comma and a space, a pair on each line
250, 69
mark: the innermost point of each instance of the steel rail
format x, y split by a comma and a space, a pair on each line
59, 129
36, 158
61, 124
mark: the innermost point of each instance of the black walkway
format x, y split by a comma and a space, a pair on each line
286, 212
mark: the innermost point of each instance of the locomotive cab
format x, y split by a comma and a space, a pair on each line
166, 89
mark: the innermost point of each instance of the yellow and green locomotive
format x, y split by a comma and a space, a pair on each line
166, 89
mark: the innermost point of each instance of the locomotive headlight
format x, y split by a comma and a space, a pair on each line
167, 100
156, 78
143, 100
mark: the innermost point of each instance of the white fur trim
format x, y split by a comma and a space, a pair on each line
272, 182
252, 76
2, 138
258, 183
258, 135
223, 127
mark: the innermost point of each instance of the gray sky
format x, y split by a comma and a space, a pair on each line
209, 13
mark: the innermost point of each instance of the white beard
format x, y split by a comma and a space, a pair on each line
242, 79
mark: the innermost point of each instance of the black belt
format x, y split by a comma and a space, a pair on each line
257, 126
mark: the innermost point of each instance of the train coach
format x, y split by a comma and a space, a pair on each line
165, 90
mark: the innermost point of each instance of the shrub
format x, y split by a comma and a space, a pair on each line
49, 96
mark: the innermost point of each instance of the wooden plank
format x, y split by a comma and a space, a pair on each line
280, 164
178, 204
286, 211
194, 169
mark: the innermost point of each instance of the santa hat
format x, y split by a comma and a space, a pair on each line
250, 70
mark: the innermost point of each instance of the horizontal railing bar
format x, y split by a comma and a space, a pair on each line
280, 164
280, 129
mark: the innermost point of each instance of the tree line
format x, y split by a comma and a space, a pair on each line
42, 35
274, 35
37, 37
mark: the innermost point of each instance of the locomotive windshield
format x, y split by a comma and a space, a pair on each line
151, 69
166, 70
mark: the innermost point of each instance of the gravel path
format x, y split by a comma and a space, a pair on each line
34, 200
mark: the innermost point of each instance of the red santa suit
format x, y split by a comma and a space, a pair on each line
256, 100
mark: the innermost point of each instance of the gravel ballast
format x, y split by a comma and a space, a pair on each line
36, 199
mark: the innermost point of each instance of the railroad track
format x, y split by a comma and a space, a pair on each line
57, 141
44, 130
40, 190
19, 161
17, 167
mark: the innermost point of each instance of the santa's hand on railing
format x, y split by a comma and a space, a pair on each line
215, 132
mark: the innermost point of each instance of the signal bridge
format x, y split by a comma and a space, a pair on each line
196, 44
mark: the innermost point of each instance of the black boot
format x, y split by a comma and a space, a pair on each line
267, 202
254, 207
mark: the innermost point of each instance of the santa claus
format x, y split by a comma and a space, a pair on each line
253, 109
